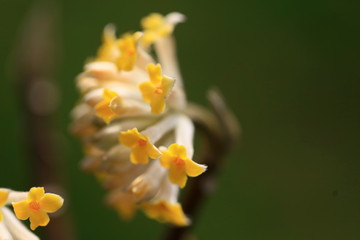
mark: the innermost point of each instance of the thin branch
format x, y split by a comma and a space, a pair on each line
35, 64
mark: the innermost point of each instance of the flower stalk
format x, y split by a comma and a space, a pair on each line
220, 132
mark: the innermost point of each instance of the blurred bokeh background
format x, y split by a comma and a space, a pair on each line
288, 69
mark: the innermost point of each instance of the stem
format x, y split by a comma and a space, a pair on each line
220, 131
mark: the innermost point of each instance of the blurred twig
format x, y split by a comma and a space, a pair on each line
220, 131
38, 94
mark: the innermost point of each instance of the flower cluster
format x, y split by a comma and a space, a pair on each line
33, 205
137, 139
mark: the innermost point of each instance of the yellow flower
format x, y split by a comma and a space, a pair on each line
108, 51
179, 165
164, 211
157, 89
103, 109
36, 207
128, 53
141, 146
155, 27
4, 194
123, 202
120, 51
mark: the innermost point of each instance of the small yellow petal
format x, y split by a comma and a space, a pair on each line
155, 73
109, 95
153, 21
103, 111
165, 30
147, 90
108, 50
21, 209
152, 151
177, 215
178, 150
4, 194
157, 106
193, 169
166, 212
126, 205
148, 38
51, 202
130, 138
36, 193
38, 218
139, 155
167, 84
166, 159
128, 53
178, 176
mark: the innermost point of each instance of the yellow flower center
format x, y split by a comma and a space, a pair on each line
34, 205
179, 162
131, 52
159, 90
142, 142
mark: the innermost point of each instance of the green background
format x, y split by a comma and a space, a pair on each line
288, 69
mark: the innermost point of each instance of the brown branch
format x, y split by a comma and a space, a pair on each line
35, 63
220, 131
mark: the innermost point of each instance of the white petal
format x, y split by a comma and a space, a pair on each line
139, 123
177, 99
166, 51
109, 134
116, 160
184, 134
175, 18
156, 131
4, 233
86, 83
168, 192
16, 228
126, 179
130, 108
123, 90
101, 70
15, 196
137, 75
144, 58
80, 111
147, 184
